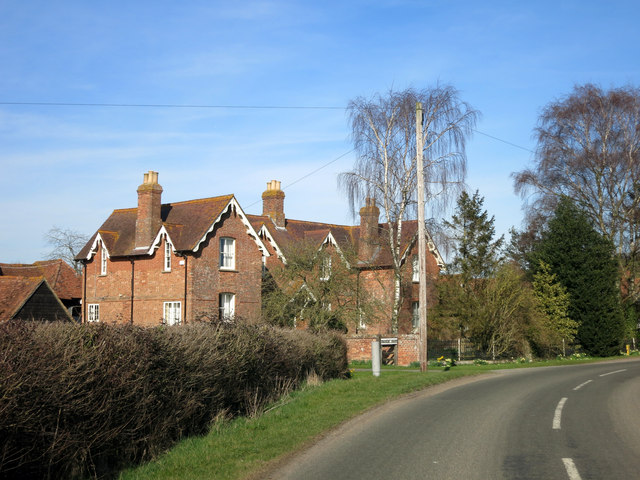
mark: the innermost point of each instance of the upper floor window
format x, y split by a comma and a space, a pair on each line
227, 253
103, 260
325, 268
172, 313
93, 312
416, 269
227, 306
415, 315
167, 255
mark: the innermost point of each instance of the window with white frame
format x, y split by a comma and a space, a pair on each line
325, 268
167, 255
93, 312
227, 306
227, 253
103, 260
415, 315
416, 269
361, 322
172, 313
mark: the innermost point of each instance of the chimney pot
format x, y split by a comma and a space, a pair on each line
149, 218
273, 203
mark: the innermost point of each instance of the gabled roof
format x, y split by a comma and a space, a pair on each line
15, 292
186, 224
59, 274
346, 237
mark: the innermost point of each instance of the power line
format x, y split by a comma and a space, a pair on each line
234, 107
504, 141
309, 174
173, 105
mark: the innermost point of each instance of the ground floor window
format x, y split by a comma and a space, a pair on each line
93, 312
172, 313
227, 306
415, 315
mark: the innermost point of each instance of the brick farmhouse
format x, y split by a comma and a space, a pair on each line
175, 263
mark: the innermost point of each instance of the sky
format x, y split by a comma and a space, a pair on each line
71, 165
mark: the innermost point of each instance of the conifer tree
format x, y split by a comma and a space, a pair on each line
584, 263
477, 254
476, 258
553, 301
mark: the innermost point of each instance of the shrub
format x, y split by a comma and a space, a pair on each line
85, 400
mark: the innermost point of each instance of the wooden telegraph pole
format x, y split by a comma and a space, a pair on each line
422, 245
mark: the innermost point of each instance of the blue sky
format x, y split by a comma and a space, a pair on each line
70, 166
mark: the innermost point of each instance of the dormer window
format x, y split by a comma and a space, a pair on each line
227, 253
167, 255
103, 260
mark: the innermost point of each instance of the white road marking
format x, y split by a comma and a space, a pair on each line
611, 373
582, 384
572, 471
558, 414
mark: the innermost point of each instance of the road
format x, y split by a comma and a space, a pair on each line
571, 422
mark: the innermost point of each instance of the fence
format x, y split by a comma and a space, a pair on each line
465, 349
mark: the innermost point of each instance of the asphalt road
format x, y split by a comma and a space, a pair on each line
575, 422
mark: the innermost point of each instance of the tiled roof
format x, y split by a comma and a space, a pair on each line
185, 222
60, 276
347, 237
14, 292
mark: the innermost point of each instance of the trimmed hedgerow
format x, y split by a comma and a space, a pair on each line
86, 400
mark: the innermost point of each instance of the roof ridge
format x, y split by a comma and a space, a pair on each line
322, 223
182, 202
197, 200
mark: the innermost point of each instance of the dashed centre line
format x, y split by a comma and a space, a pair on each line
611, 373
582, 384
572, 471
558, 413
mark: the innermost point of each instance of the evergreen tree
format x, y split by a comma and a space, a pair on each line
584, 263
554, 303
477, 254
477, 257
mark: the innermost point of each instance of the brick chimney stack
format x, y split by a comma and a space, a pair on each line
149, 220
273, 203
369, 234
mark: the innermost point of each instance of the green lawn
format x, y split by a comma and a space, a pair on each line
243, 446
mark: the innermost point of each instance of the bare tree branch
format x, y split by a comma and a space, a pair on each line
65, 244
384, 135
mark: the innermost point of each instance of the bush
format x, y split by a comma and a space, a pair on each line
85, 400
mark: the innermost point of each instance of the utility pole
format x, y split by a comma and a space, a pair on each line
422, 245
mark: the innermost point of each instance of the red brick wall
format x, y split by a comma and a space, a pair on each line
406, 351
380, 285
206, 280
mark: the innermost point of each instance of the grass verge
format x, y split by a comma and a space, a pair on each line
237, 448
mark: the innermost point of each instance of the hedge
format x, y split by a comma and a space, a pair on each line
87, 400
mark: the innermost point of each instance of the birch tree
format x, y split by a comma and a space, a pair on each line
384, 135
